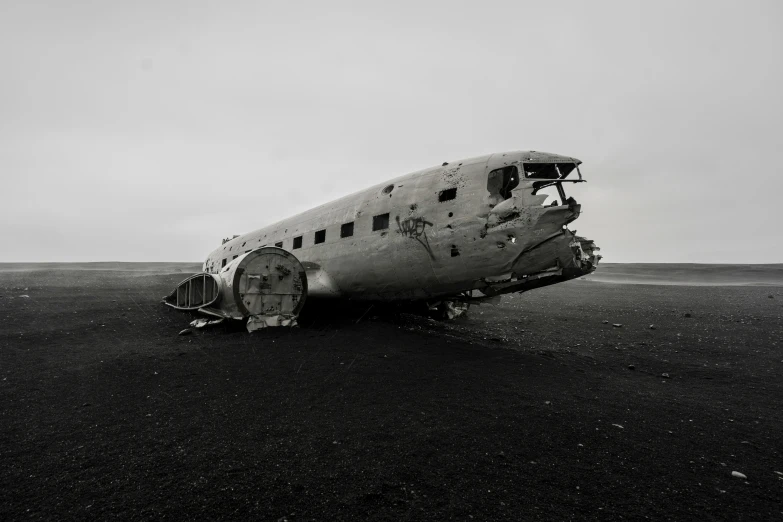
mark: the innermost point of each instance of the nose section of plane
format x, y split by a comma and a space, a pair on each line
525, 211
571, 255
544, 246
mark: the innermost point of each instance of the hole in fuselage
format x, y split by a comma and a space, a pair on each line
501, 182
447, 195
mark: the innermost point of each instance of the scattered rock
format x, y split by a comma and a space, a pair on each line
617, 325
738, 475
652, 327
186, 331
688, 315
665, 376
779, 473
24, 295
618, 426
771, 296
605, 321
631, 367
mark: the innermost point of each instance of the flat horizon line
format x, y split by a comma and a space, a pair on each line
603, 264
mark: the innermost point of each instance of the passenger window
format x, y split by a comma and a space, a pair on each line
320, 236
346, 229
279, 245
235, 257
224, 263
447, 195
298, 242
380, 222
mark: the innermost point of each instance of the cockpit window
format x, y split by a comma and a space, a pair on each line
548, 170
501, 182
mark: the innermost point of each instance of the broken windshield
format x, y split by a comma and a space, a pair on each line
548, 170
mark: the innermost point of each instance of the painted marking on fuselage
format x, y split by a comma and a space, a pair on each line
416, 228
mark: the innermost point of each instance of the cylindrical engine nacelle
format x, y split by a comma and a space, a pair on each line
266, 282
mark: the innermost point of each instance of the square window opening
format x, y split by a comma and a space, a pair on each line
279, 244
298, 242
380, 222
320, 236
346, 229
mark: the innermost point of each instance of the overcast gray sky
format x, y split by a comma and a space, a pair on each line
149, 130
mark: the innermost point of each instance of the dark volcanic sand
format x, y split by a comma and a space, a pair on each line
523, 411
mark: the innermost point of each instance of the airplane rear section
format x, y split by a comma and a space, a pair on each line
267, 286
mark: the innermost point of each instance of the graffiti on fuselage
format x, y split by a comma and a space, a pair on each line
415, 228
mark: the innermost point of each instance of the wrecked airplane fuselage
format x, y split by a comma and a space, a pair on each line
465, 231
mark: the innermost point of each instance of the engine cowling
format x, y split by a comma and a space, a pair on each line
267, 285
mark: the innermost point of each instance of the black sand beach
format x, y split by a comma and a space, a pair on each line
535, 409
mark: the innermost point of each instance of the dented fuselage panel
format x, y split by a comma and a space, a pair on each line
493, 224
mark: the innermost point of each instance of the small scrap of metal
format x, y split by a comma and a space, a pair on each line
257, 322
201, 323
